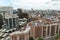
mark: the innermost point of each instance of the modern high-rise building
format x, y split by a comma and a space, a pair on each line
5, 10
11, 21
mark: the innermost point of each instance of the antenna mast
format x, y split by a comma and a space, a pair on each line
10, 3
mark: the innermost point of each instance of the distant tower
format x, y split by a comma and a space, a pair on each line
10, 4
32, 9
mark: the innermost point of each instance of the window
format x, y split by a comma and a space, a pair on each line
57, 29
44, 31
52, 30
10, 22
48, 30
14, 25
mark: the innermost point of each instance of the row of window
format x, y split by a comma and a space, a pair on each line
48, 30
11, 23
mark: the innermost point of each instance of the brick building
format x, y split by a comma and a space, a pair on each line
43, 28
23, 34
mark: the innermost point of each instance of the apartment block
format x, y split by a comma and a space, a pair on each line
22, 34
43, 28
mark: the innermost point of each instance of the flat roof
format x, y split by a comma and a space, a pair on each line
27, 29
7, 16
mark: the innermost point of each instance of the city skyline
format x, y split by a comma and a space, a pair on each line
35, 4
26, 24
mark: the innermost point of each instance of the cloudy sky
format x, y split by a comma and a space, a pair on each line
35, 4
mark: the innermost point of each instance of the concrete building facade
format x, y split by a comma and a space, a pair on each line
11, 21
5, 10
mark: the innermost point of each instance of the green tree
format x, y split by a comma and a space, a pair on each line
19, 11
57, 36
31, 38
40, 38
1, 21
24, 15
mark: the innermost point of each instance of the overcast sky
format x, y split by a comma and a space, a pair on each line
35, 4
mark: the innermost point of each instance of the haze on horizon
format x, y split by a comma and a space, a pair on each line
35, 4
